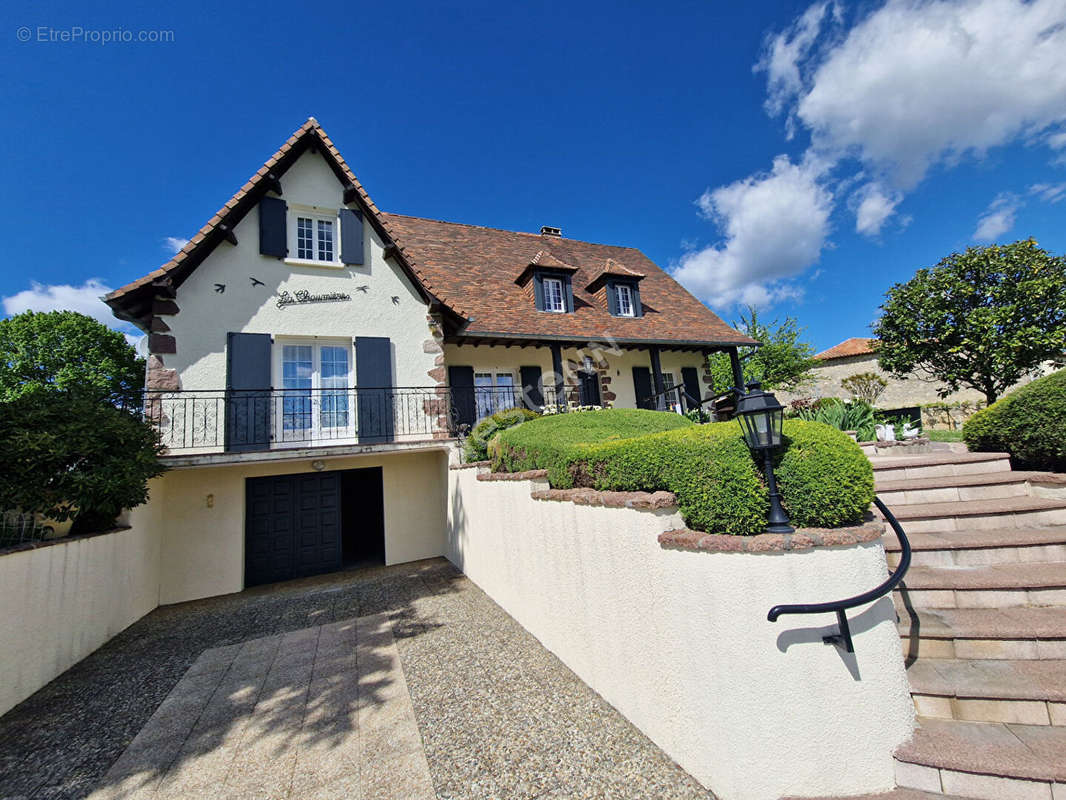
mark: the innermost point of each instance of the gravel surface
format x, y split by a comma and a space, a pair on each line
499, 715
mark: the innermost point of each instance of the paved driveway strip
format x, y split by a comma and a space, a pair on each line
322, 712
404, 682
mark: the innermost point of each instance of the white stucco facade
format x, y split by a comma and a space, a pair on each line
383, 300
679, 643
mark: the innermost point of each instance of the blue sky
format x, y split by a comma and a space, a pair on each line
801, 157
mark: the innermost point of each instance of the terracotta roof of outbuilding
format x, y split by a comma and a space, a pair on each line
474, 268
471, 270
856, 346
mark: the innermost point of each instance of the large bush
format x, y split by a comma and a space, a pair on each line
475, 448
825, 478
1029, 423
70, 454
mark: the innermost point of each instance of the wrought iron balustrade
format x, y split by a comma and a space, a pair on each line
262, 419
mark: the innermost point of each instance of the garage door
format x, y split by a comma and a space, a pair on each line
293, 527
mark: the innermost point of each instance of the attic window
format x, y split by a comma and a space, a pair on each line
625, 300
554, 299
316, 237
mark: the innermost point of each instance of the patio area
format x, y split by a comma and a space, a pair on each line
396, 682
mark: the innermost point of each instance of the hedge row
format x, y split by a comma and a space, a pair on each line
1029, 423
825, 479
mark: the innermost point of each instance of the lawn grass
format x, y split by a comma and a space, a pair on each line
944, 436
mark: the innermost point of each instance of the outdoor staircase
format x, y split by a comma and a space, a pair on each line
982, 622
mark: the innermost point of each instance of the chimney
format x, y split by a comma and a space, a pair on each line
548, 230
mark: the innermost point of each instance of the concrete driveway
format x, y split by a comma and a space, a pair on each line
398, 682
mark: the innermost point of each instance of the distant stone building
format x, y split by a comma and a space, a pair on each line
856, 355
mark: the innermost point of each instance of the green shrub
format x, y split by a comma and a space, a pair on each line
1029, 423
72, 454
825, 478
475, 448
858, 416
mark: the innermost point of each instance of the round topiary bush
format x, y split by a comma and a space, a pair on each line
824, 478
475, 448
1029, 423
826, 481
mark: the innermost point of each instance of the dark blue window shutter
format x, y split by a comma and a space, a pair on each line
373, 388
532, 394
538, 290
273, 240
351, 236
247, 391
638, 311
568, 289
461, 379
690, 377
612, 298
642, 386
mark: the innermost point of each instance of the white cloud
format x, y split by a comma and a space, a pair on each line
174, 243
873, 206
1049, 192
921, 81
1057, 141
774, 225
998, 218
84, 299
782, 55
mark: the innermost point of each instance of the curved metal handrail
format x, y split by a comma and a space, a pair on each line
840, 606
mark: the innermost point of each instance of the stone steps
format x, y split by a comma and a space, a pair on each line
984, 760
981, 690
977, 548
988, 586
1007, 512
980, 486
938, 465
1007, 633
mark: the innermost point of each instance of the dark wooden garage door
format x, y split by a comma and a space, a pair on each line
293, 527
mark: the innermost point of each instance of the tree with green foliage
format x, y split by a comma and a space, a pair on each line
65, 350
783, 361
865, 386
982, 319
68, 453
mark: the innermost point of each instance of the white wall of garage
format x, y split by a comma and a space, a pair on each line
203, 545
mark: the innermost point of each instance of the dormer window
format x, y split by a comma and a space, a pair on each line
554, 297
624, 298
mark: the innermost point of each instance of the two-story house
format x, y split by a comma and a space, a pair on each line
313, 359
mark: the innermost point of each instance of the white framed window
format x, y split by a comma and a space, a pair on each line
624, 300
315, 399
313, 236
671, 401
554, 299
493, 391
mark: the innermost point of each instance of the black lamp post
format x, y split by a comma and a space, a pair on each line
761, 417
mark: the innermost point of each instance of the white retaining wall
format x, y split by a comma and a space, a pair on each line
60, 602
679, 643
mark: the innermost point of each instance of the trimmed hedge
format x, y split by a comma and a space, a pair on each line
824, 477
1029, 423
475, 448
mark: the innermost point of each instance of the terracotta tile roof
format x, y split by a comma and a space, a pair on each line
471, 270
856, 346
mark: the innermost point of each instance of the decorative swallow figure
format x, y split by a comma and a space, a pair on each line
395, 300
220, 287
364, 289
256, 281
